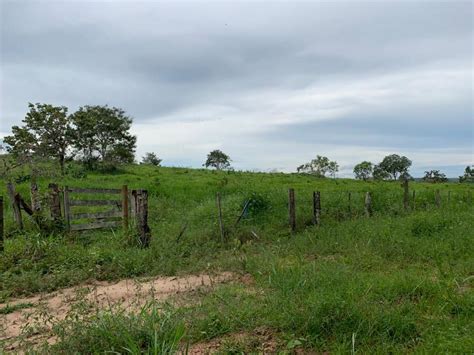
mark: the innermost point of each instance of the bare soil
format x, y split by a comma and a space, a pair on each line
40, 312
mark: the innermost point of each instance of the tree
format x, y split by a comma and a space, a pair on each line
319, 167
392, 166
151, 159
380, 174
217, 159
333, 168
364, 170
46, 134
103, 133
434, 176
468, 174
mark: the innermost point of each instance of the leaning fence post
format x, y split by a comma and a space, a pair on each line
125, 208
15, 205
368, 204
142, 217
55, 202
67, 214
219, 215
405, 195
316, 208
437, 198
292, 209
1, 224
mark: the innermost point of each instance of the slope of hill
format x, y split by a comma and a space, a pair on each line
399, 281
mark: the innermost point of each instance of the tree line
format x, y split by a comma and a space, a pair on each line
100, 135
93, 135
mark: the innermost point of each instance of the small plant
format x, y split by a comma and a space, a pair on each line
256, 204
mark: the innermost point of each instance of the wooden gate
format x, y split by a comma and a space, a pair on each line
112, 217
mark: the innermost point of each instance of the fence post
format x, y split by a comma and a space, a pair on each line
405, 195
15, 205
55, 202
67, 210
35, 199
368, 204
414, 201
292, 209
437, 198
1, 224
219, 215
125, 208
449, 196
141, 211
316, 208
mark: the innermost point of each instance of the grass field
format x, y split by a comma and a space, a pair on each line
400, 281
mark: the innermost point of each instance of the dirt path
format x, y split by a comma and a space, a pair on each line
38, 313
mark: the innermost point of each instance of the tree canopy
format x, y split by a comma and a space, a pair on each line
46, 133
392, 166
217, 159
319, 167
151, 159
364, 170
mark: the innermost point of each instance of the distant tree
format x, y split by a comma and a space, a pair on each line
468, 174
217, 159
319, 167
364, 170
103, 133
46, 133
333, 168
392, 166
151, 159
434, 176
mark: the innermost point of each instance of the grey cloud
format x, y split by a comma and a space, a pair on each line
158, 59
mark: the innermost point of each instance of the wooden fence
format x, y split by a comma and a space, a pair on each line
119, 208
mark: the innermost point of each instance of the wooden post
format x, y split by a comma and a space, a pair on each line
142, 217
368, 204
67, 210
125, 208
35, 199
405, 195
55, 202
15, 205
414, 201
219, 214
1, 224
449, 196
317, 208
292, 209
437, 199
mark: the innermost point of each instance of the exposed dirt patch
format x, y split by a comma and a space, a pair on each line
35, 321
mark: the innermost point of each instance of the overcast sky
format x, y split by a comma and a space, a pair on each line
272, 84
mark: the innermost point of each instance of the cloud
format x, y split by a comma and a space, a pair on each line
272, 84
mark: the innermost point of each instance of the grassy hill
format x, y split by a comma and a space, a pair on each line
400, 281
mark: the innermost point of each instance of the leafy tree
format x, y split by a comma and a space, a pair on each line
364, 170
151, 159
333, 168
392, 166
380, 174
319, 167
103, 133
434, 176
468, 175
217, 159
46, 134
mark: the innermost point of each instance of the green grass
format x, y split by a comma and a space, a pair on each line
397, 282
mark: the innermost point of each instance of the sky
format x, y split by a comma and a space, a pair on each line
272, 84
